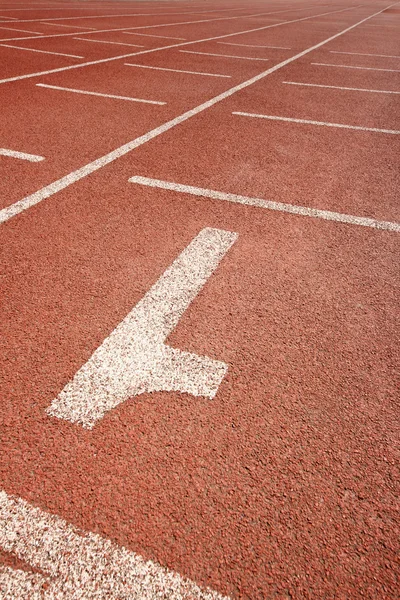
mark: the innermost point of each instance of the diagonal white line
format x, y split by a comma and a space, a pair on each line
222, 55
363, 54
354, 67
254, 46
88, 93
107, 42
338, 87
40, 51
176, 70
304, 211
165, 37
20, 155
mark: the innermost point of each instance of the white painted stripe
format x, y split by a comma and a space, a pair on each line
11, 18
134, 359
338, 87
20, 155
364, 54
69, 26
64, 89
269, 204
222, 55
15, 583
353, 67
166, 37
60, 184
176, 70
254, 46
150, 50
23, 30
81, 564
322, 123
40, 51
107, 42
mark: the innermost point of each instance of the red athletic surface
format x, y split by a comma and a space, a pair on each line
286, 485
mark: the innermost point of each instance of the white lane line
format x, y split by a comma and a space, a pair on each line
11, 18
64, 182
134, 359
322, 123
23, 30
254, 46
363, 54
304, 211
20, 155
222, 55
107, 42
159, 49
40, 51
338, 87
80, 564
353, 67
176, 70
85, 92
165, 37
69, 26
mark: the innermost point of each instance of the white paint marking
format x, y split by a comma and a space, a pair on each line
166, 37
79, 564
23, 30
64, 89
222, 55
107, 42
338, 87
62, 183
269, 204
324, 124
40, 51
364, 54
69, 26
20, 155
159, 49
176, 70
134, 359
353, 67
254, 46
11, 18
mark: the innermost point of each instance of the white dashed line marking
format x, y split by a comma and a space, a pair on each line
22, 30
85, 92
338, 87
165, 37
79, 564
69, 26
135, 359
260, 203
363, 54
176, 70
355, 67
222, 55
107, 42
322, 123
254, 46
40, 51
20, 155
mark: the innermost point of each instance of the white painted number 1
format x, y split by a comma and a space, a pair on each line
134, 358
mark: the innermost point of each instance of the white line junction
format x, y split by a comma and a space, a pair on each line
134, 358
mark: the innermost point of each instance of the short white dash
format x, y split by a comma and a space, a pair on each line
40, 51
64, 89
79, 564
254, 46
107, 42
364, 54
22, 30
165, 37
176, 70
68, 26
269, 204
338, 87
20, 155
355, 67
222, 55
135, 359
322, 123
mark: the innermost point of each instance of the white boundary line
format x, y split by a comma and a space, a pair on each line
108, 42
254, 46
165, 37
363, 54
260, 203
176, 70
223, 55
85, 92
64, 182
353, 67
70, 26
21, 155
159, 49
338, 87
40, 51
322, 123
23, 30
79, 564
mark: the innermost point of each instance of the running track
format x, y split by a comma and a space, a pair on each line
199, 335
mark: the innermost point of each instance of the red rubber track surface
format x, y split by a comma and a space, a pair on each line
285, 485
